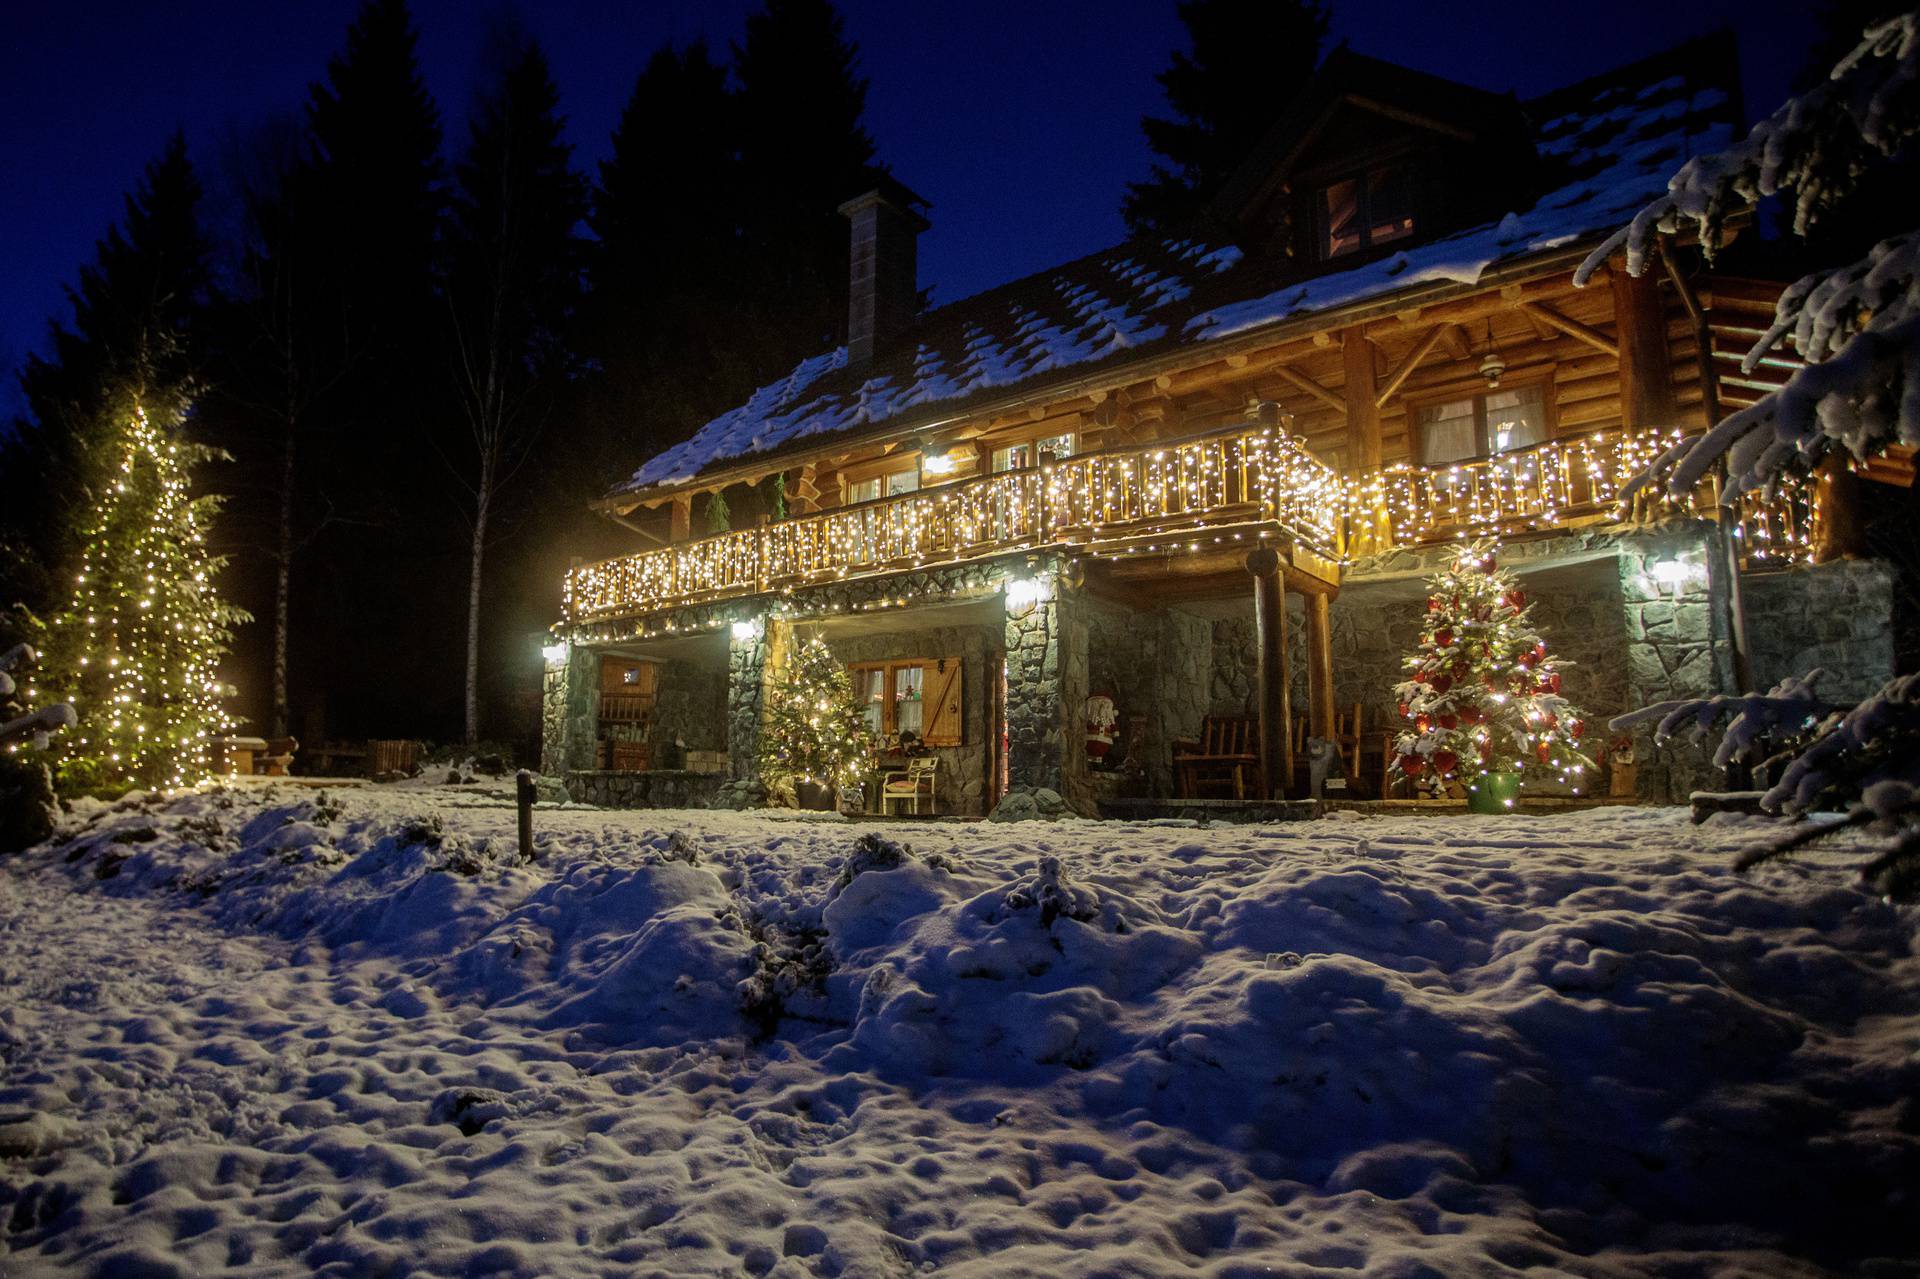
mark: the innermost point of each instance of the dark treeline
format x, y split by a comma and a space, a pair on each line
426, 348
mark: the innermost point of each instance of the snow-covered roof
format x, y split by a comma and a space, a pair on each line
1610, 145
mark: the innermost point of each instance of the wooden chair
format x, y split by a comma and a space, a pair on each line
1365, 752
278, 759
1226, 757
921, 778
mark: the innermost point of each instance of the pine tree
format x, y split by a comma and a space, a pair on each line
815, 731
1482, 693
1248, 57
513, 285
144, 293
136, 649
804, 151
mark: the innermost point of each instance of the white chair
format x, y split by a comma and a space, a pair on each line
921, 778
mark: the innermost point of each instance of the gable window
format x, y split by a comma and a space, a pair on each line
1368, 209
1482, 425
919, 696
1051, 449
878, 486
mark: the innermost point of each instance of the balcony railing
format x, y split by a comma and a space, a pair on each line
1564, 482
1124, 499
1254, 475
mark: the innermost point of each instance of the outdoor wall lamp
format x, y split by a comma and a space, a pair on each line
554, 654
747, 630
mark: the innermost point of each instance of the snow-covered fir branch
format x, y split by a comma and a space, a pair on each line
1757, 723
1858, 325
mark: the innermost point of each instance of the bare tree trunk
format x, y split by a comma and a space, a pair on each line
282, 587
473, 610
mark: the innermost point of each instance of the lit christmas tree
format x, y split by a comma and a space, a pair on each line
815, 731
1482, 695
135, 651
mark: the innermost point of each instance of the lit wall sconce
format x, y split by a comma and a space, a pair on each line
940, 463
1023, 593
554, 654
1670, 575
750, 629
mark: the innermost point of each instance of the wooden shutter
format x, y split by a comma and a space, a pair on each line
944, 713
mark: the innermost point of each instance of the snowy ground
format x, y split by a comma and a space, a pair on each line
270, 1032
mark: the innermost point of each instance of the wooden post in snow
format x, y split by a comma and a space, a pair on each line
524, 793
1276, 715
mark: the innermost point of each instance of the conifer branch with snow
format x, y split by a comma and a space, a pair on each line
1858, 325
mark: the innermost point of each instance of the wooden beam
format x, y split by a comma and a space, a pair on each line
1646, 360
1362, 405
1458, 345
680, 518
1572, 328
1302, 382
1274, 685
1320, 664
1409, 364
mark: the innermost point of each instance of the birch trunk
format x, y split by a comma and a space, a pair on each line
282, 589
484, 500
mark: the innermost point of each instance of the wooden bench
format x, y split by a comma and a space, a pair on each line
1225, 757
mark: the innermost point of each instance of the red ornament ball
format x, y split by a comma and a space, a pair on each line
1516, 598
1412, 765
1444, 637
1421, 723
1449, 721
1544, 750
1576, 727
1441, 683
1445, 760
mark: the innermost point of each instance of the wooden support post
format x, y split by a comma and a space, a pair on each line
680, 518
524, 795
1646, 364
1276, 711
1362, 394
1320, 664
1838, 530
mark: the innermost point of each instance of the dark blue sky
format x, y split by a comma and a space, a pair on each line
1019, 121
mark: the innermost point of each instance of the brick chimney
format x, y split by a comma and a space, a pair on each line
883, 284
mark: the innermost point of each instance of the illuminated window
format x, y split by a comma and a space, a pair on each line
921, 696
1482, 425
872, 490
1050, 449
1360, 212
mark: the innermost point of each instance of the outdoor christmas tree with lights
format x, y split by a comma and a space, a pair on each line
815, 731
135, 650
1482, 695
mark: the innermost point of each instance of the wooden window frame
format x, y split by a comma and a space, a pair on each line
879, 468
1541, 376
1318, 185
930, 667
1075, 437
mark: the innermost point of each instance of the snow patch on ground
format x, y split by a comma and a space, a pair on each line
276, 1032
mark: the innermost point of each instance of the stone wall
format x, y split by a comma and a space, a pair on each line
1836, 617
567, 691
661, 788
1035, 723
963, 769
691, 707
751, 661
1156, 665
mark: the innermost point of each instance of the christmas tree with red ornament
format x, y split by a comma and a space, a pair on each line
1482, 694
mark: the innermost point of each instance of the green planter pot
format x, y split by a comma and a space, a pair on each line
1493, 793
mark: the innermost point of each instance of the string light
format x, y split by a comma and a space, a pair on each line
1180, 498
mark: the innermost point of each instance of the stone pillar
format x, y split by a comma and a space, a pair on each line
1669, 652
568, 687
753, 661
1273, 692
1037, 655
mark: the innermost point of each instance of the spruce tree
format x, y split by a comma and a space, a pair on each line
136, 649
1248, 58
141, 299
804, 151
814, 730
1482, 693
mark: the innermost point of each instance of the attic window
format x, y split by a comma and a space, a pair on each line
1368, 209
1051, 449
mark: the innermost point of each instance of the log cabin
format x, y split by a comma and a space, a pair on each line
1198, 479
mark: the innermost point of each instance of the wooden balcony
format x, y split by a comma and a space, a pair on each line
1114, 502
1100, 503
1561, 484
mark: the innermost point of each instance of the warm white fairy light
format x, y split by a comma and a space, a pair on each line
1172, 499
153, 707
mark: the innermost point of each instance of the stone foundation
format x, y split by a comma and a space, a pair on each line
661, 788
